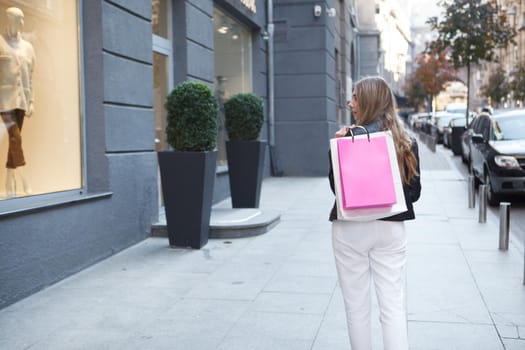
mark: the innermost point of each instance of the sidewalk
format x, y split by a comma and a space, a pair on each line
279, 290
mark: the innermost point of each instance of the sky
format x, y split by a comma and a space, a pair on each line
421, 11
418, 12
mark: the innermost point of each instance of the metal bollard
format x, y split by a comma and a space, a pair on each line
504, 221
471, 192
482, 204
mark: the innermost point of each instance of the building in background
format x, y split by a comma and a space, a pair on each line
419, 12
385, 43
422, 34
455, 92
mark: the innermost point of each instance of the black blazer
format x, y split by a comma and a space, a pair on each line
411, 190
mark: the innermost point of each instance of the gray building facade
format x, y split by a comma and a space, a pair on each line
313, 77
125, 70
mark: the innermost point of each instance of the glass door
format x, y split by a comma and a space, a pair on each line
233, 67
162, 73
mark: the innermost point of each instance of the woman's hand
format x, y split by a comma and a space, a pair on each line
343, 131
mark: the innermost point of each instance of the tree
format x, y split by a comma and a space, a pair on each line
414, 91
497, 87
472, 29
517, 84
434, 71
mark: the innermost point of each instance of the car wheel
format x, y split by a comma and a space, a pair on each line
492, 198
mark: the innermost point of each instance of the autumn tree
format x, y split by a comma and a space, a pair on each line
497, 87
434, 70
413, 90
472, 29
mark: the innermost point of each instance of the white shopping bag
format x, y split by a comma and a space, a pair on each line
371, 213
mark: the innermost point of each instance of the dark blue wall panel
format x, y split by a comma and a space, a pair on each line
129, 129
127, 81
119, 27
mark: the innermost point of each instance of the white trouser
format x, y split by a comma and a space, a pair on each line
374, 249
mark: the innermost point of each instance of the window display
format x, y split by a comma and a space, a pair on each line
40, 150
17, 60
233, 67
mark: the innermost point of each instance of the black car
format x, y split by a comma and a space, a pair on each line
497, 153
417, 121
452, 134
438, 123
465, 140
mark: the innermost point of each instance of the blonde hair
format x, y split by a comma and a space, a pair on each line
376, 101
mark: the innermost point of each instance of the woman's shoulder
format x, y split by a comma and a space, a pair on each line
371, 127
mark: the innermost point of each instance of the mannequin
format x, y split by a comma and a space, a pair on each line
16, 94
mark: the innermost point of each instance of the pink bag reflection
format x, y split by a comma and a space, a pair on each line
366, 173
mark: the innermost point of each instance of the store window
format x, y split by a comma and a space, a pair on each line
162, 61
233, 67
162, 68
40, 128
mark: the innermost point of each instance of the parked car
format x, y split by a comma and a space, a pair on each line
452, 134
465, 140
425, 122
461, 108
411, 119
456, 107
497, 153
438, 122
417, 120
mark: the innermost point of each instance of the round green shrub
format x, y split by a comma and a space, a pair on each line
192, 117
243, 114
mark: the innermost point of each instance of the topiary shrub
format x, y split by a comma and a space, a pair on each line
192, 117
243, 114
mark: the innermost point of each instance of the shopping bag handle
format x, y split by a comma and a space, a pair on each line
362, 127
351, 133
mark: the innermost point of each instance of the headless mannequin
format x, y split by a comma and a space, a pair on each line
16, 96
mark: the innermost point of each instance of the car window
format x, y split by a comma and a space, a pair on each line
484, 128
473, 124
477, 125
510, 128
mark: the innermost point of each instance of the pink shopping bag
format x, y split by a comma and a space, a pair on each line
365, 173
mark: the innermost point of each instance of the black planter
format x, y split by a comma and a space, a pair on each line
245, 170
187, 186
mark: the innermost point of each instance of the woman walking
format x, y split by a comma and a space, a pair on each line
376, 250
